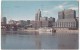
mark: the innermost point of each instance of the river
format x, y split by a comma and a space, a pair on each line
24, 41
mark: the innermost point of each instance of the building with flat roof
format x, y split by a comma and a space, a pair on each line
3, 20
35, 24
43, 18
66, 23
39, 24
69, 14
66, 19
11, 22
61, 15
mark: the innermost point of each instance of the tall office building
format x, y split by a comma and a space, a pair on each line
3, 20
61, 15
69, 14
66, 19
38, 15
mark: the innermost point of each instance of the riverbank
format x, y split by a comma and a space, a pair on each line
19, 32
36, 32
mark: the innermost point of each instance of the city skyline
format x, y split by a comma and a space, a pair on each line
26, 10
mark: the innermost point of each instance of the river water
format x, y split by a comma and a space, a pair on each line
24, 41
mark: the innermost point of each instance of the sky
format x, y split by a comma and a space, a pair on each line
25, 10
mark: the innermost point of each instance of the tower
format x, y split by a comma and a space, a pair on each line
38, 15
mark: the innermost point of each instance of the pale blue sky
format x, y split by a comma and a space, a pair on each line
24, 10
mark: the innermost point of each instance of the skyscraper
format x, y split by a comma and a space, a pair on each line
38, 15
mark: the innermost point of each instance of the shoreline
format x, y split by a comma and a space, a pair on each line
36, 32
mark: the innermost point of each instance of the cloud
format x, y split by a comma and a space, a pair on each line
55, 9
65, 3
73, 8
46, 11
61, 6
77, 0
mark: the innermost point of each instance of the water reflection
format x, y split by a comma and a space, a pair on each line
38, 41
67, 41
26, 41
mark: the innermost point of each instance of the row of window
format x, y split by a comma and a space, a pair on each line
65, 24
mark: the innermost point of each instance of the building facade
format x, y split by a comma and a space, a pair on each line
61, 15
38, 15
11, 22
43, 18
51, 19
35, 24
66, 23
66, 19
3, 20
69, 14
42, 21
39, 24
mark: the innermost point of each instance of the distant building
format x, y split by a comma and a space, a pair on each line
28, 22
38, 15
11, 22
43, 18
35, 24
51, 19
77, 19
22, 23
38, 24
65, 23
3, 20
42, 21
66, 19
69, 14
46, 24
61, 15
